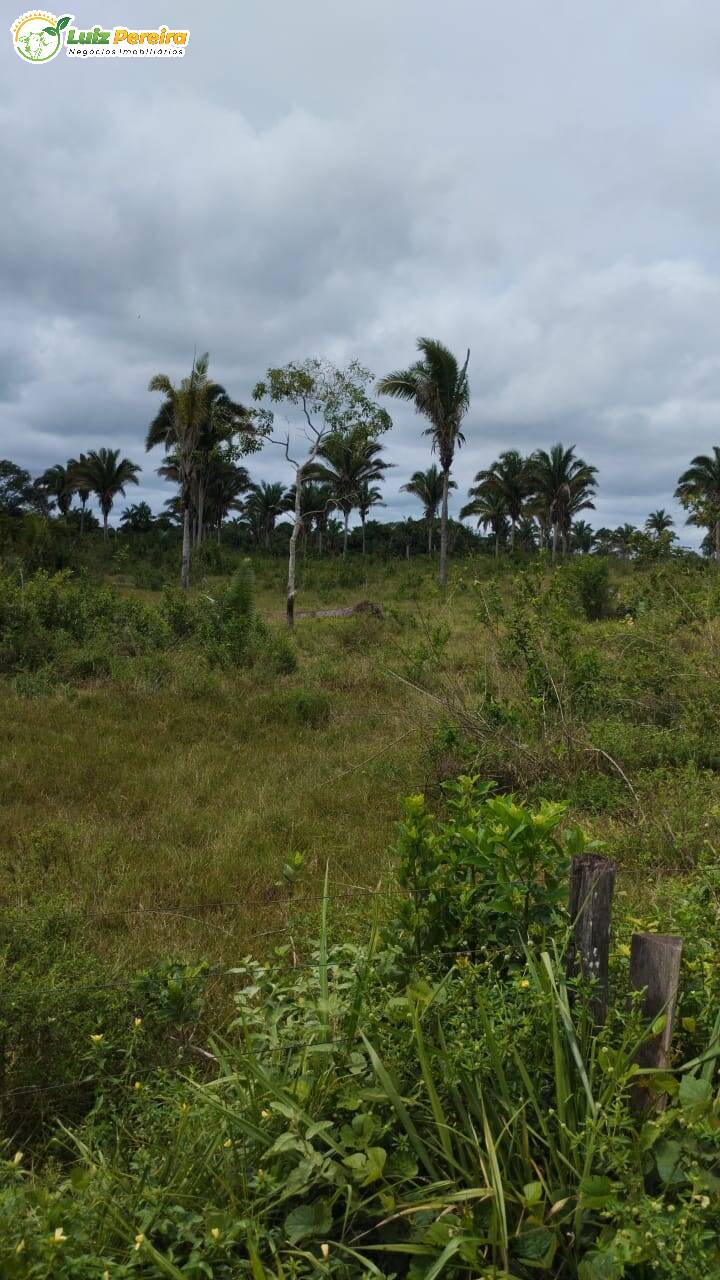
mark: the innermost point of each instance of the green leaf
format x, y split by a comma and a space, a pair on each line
532, 1193
600, 1266
695, 1094
536, 1248
50, 31
667, 1158
63, 23
595, 1191
308, 1221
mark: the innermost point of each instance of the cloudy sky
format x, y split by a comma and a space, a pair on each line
539, 182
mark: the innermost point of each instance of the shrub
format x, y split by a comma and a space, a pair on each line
590, 578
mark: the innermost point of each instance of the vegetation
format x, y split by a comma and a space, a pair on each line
285, 913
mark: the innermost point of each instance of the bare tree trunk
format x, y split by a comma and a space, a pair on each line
512, 536
497, 545
200, 514
185, 565
554, 541
363, 535
292, 551
82, 518
444, 528
345, 533
717, 541
105, 525
320, 541
430, 534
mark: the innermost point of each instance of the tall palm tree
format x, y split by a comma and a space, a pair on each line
59, 483
428, 487
438, 386
226, 484
347, 463
106, 477
369, 496
562, 485
317, 504
659, 522
83, 493
508, 477
490, 508
699, 490
194, 418
262, 507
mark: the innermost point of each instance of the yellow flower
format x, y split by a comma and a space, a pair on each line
96, 1039
59, 1237
17, 1158
227, 1142
137, 1022
264, 1114
525, 984
137, 1085
325, 1251
215, 1233
106, 1275
19, 1248
139, 1241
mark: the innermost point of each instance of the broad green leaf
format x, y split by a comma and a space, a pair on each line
695, 1094
600, 1266
667, 1158
308, 1221
536, 1248
63, 23
595, 1191
50, 31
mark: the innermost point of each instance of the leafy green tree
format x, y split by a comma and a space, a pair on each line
490, 509
262, 507
194, 419
508, 478
438, 386
428, 487
227, 483
349, 462
331, 401
106, 474
562, 485
59, 483
659, 522
137, 518
699, 492
583, 537
15, 488
370, 496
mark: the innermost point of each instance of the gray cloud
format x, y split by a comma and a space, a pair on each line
538, 183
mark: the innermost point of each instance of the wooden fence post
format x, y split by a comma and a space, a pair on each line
655, 969
592, 882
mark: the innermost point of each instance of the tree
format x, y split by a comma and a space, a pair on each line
508, 478
262, 508
562, 485
193, 420
227, 483
137, 518
659, 522
370, 496
350, 462
75, 468
490, 508
331, 401
583, 537
317, 504
428, 487
699, 492
106, 477
439, 389
59, 482
15, 488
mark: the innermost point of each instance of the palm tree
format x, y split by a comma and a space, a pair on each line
226, 483
193, 419
106, 477
350, 461
262, 508
562, 485
659, 522
137, 518
699, 490
490, 509
583, 537
369, 496
439, 388
83, 493
508, 477
59, 483
428, 487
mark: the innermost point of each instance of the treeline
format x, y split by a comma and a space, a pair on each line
521, 504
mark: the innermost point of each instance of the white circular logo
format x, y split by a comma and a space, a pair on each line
37, 36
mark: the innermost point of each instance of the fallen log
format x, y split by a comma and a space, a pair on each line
364, 606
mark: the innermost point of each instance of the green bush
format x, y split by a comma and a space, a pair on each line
590, 578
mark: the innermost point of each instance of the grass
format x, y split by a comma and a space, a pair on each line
167, 802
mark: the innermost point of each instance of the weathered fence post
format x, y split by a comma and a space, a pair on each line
655, 969
592, 882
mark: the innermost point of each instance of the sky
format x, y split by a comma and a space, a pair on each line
537, 182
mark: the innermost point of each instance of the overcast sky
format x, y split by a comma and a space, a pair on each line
539, 182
